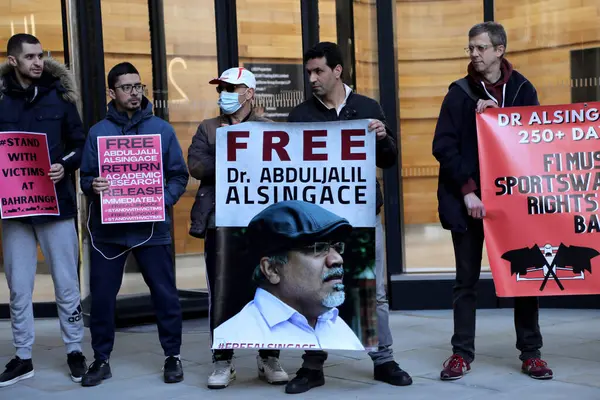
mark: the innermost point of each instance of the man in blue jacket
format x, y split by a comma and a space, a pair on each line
130, 113
38, 95
491, 82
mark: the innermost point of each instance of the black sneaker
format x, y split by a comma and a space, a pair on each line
390, 372
16, 370
305, 380
77, 365
99, 370
173, 370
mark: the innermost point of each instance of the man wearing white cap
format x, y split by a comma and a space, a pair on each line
236, 88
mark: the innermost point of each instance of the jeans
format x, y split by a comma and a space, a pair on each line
106, 276
468, 249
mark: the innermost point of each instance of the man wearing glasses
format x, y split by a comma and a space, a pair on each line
491, 82
236, 88
130, 113
298, 249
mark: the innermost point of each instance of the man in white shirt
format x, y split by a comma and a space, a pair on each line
298, 247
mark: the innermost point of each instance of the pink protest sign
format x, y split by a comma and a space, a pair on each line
26, 188
133, 166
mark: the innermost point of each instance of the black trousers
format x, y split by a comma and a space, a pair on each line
106, 277
468, 249
219, 310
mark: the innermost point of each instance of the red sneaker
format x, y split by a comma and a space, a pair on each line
536, 368
455, 367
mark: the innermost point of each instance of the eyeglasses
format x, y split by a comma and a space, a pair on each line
228, 87
320, 249
139, 88
481, 48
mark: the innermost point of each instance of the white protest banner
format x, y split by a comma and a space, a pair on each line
277, 169
331, 164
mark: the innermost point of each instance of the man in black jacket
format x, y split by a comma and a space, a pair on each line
334, 101
491, 82
38, 95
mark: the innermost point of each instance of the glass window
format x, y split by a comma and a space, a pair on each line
327, 21
270, 45
191, 64
431, 40
555, 48
366, 49
43, 19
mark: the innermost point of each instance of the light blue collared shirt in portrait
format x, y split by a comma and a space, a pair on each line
267, 322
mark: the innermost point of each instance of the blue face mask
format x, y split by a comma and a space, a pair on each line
230, 102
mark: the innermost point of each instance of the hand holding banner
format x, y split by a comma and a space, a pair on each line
133, 166
540, 175
26, 188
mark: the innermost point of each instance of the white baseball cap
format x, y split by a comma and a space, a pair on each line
236, 76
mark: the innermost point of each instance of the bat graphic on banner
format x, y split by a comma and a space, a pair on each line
551, 259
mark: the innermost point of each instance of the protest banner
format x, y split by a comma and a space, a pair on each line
540, 175
133, 166
26, 188
331, 165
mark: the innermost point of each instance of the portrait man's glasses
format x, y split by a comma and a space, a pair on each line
139, 88
320, 249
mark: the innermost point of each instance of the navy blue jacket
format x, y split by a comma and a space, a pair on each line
175, 172
455, 145
47, 106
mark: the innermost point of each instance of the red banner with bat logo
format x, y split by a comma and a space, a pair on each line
540, 181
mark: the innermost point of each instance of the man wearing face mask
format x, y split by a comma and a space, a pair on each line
236, 88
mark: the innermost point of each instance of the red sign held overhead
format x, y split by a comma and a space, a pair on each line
540, 181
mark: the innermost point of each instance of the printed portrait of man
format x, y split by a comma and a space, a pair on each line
298, 248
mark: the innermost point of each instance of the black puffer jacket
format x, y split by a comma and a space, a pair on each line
47, 106
357, 107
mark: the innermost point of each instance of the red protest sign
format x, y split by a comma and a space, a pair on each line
133, 166
540, 175
26, 188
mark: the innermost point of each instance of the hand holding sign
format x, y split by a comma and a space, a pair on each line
100, 185
483, 104
131, 179
378, 127
57, 172
25, 167
474, 205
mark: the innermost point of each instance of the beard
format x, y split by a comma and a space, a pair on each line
27, 73
334, 299
132, 104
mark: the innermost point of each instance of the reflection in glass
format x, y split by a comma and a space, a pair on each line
192, 62
428, 61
